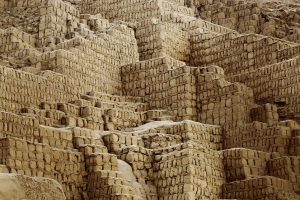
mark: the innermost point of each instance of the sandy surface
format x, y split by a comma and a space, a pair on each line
19, 187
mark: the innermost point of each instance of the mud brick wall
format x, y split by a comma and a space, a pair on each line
95, 22
270, 18
109, 185
100, 114
18, 126
288, 52
282, 69
124, 118
26, 3
295, 139
116, 141
175, 43
45, 117
149, 39
36, 159
46, 19
175, 92
141, 161
55, 15
259, 136
259, 188
266, 113
156, 39
190, 131
138, 106
93, 94
221, 102
286, 168
58, 87
101, 161
119, 44
214, 39
28, 128
270, 83
232, 14
250, 172
114, 49
294, 146
18, 44
86, 140
232, 54
68, 108
108, 98
60, 61
191, 81
178, 93
173, 178
32, 93
168, 135
55, 137
11, 35
209, 27
139, 10
78, 65
242, 164
93, 7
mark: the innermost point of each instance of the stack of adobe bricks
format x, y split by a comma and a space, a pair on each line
156, 38
37, 159
256, 175
168, 168
89, 84
272, 18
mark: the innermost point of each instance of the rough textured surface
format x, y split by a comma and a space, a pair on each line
21, 187
275, 18
150, 99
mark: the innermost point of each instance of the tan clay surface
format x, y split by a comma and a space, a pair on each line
149, 99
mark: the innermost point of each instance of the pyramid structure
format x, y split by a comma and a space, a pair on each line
150, 99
